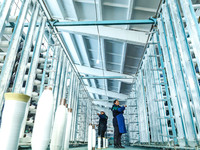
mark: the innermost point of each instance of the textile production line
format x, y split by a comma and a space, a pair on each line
44, 100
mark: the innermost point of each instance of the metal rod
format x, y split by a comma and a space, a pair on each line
45, 66
4, 14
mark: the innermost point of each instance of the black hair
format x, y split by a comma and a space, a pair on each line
115, 101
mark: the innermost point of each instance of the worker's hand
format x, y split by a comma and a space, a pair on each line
125, 105
98, 114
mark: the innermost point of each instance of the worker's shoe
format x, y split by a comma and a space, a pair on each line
121, 146
116, 146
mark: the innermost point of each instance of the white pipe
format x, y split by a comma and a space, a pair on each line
68, 129
90, 137
58, 128
13, 114
43, 119
93, 137
104, 142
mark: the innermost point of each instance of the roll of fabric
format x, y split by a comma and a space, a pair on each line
59, 126
13, 114
43, 121
90, 137
68, 129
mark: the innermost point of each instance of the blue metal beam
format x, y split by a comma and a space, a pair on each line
106, 22
94, 23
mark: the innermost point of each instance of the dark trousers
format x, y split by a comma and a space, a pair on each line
117, 136
101, 132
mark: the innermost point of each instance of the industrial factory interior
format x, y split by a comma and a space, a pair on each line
68, 67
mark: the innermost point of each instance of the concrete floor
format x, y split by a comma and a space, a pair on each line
112, 148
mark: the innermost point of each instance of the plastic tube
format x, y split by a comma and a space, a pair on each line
90, 137
13, 114
68, 129
43, 120
58, 128
93, 137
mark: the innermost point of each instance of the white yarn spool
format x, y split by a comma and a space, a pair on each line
90, 137
104, 142
68, 129
4, 44
93, 137
58, 128
13, 114
43, 120
99, 143
12, 18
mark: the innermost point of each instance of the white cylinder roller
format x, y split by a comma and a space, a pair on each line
4, 44
43, 120
13, 114
37, 82
93, 137
99, 143
2, 58
90, 137
12, 18
8, 31
41, 60
39, 71
59, 126
68, 129
104, 142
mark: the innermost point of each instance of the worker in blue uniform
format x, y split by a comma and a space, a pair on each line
118, 123
102, 125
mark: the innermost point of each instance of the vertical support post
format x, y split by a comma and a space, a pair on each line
189, 70
45, 65
179, 76
62, 79
172, 84
167, 92
4, 14
19, 78
32, 70
12, 50
192, 26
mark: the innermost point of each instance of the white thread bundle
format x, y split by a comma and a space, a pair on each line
43, 120
68, 129
13, 115
58, 128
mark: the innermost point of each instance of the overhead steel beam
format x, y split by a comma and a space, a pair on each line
104, 22
107, 93
107, 77
110, 33
99, 72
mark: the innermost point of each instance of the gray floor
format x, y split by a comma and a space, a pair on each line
112, 148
